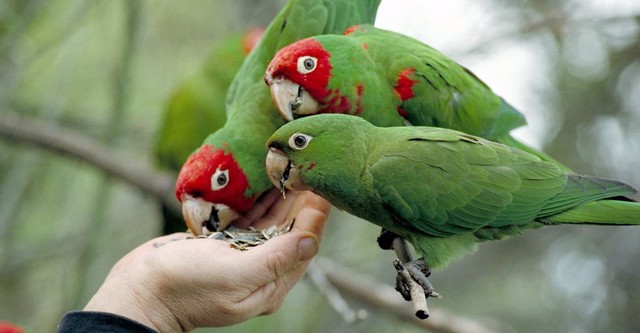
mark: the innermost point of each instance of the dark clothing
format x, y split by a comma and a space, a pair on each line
88, 321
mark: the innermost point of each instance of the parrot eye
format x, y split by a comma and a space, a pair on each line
299, 141
306, 64
220, 179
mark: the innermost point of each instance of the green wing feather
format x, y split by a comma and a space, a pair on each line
445, 94
455, 183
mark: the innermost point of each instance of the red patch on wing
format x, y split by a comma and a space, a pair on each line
285, 65
403, 113
311, 166
195, 178
351, 29
404, 85
359, 92
251, 38
337, 103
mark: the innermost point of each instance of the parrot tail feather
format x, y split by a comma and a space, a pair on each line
604, 212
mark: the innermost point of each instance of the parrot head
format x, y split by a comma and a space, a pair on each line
305, 154
302, 82
298, 76
211, 187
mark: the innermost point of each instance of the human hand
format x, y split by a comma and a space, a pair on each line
194, 283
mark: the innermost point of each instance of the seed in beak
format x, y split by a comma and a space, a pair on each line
284, 178
297, 102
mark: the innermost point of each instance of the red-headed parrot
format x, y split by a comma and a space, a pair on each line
224, 177
440, 189
389, 79
197, 108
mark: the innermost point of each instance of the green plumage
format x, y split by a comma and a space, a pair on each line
405, 79
195, 109
197, 106
441, 189
251, 115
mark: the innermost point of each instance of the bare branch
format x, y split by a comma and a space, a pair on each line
58, 139
383, 296
319, 277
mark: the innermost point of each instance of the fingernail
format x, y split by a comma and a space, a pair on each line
307, 248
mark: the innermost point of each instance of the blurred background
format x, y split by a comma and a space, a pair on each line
108, 69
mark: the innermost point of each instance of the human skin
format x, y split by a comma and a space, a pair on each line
186, 284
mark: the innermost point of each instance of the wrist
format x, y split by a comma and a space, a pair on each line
117, 295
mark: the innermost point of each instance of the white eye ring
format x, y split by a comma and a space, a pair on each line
220, 179
299, 141
307, 64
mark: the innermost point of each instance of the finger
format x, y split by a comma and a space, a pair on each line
310, 213
278, 213
159, 241
282, 254
280, 271
264, 203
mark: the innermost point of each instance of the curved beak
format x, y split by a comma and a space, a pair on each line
291, 99
282, 172
203, 217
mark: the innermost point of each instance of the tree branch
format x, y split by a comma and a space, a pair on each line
65, 141
383, 296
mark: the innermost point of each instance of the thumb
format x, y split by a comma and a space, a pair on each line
279, 256
284, 253
281, 263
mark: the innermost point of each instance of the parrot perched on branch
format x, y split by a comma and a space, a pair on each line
224, 177
197, 107
389, 79
440, 189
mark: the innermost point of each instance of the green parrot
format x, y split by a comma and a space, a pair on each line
224, 177
389, 79
442, 190
197, 108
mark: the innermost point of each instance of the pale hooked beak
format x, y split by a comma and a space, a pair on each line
291, 99
203, 217
282, 172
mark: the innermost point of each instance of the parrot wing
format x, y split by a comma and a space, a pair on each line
435, 90
455, 183
463, 100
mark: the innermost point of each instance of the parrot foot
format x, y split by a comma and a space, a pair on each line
413, 284
412, 280
420, 271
